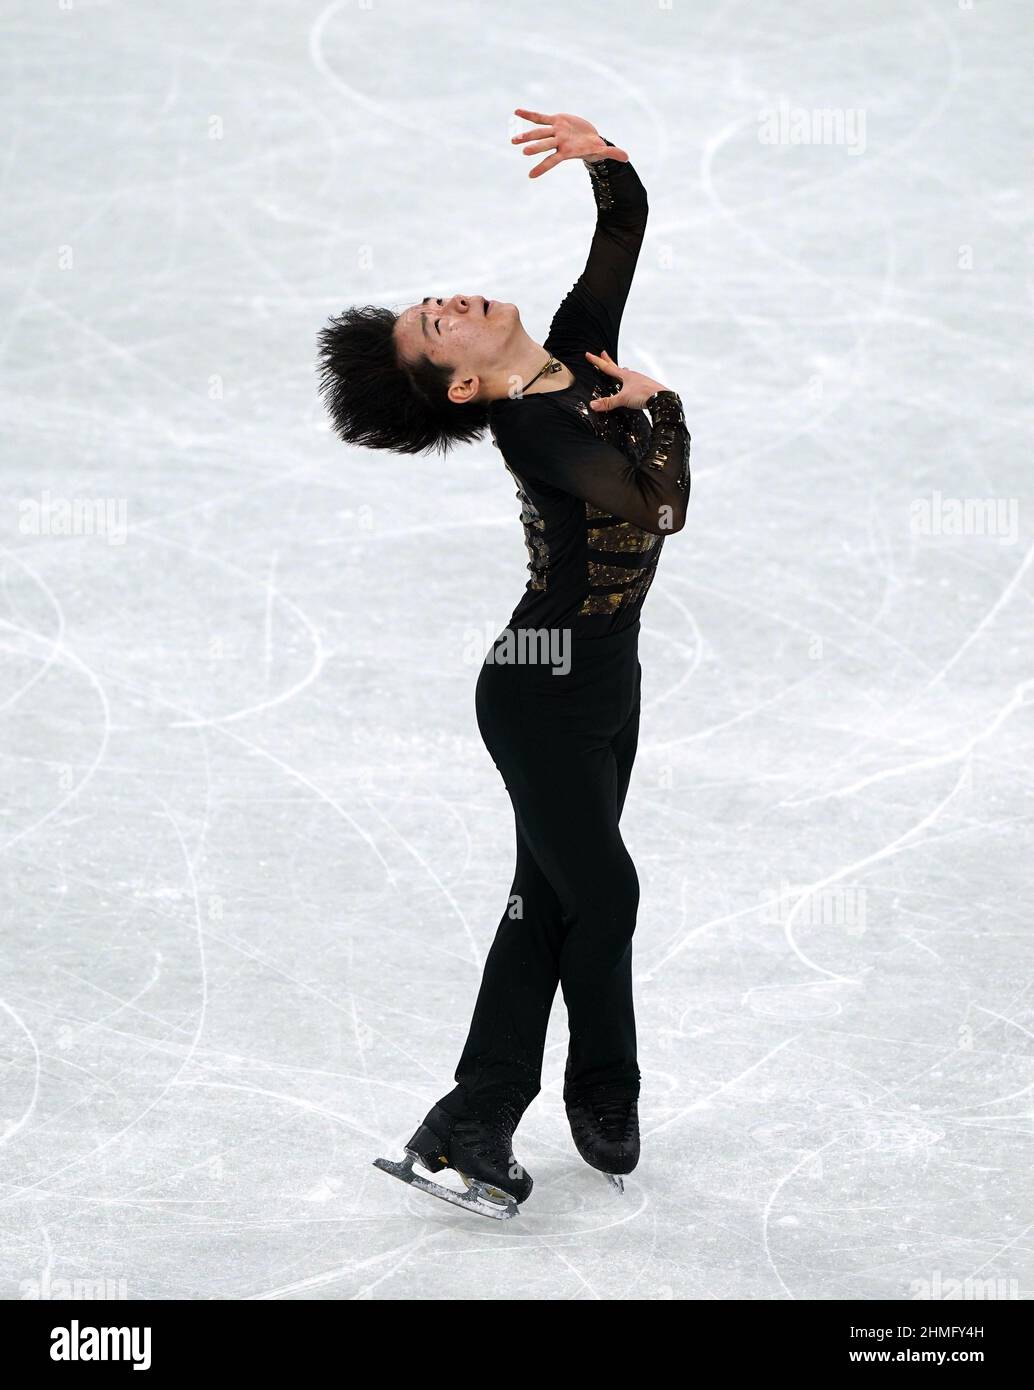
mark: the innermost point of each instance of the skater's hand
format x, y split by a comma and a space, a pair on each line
636, 389
566, 137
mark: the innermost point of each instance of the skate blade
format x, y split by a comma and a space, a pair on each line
486, 1201
616, 1181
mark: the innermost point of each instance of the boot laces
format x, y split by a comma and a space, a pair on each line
490, 1133
616, 1119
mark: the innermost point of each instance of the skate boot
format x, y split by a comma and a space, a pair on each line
606, 1134
480, 1150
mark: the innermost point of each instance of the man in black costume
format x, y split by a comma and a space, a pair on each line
601, 483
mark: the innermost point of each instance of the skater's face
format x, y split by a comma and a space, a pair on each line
467, 332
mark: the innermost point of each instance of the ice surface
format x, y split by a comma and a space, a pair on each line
254, 850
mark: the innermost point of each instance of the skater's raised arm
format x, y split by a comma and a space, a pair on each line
590, 315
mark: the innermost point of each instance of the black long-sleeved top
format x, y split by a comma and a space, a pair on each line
598, 489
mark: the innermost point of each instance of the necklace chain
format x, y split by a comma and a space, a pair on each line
552, 366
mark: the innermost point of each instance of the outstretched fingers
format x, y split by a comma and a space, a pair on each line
605, 363
545, 166
540, 132
540, 145
533, 116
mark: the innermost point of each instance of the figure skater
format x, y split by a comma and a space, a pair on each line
600, 484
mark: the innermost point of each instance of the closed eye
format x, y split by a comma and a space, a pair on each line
436, 328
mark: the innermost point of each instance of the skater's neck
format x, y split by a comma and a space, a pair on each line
527, 370
541, 370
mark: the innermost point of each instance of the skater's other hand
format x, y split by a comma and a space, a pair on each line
567, 137
636, 389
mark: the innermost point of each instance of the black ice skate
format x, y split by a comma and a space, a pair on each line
606, 1134
480, 1151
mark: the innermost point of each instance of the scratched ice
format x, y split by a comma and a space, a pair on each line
254, 851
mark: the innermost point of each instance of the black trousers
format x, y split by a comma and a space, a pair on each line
565, 745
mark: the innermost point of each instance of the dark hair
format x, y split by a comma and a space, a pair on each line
376, 399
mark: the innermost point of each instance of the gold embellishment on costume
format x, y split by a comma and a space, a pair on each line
624, 598
601, 603
538, 564
627, 430
611, 574
534, 541
599, 173
670, 436
623, 538
637, 592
